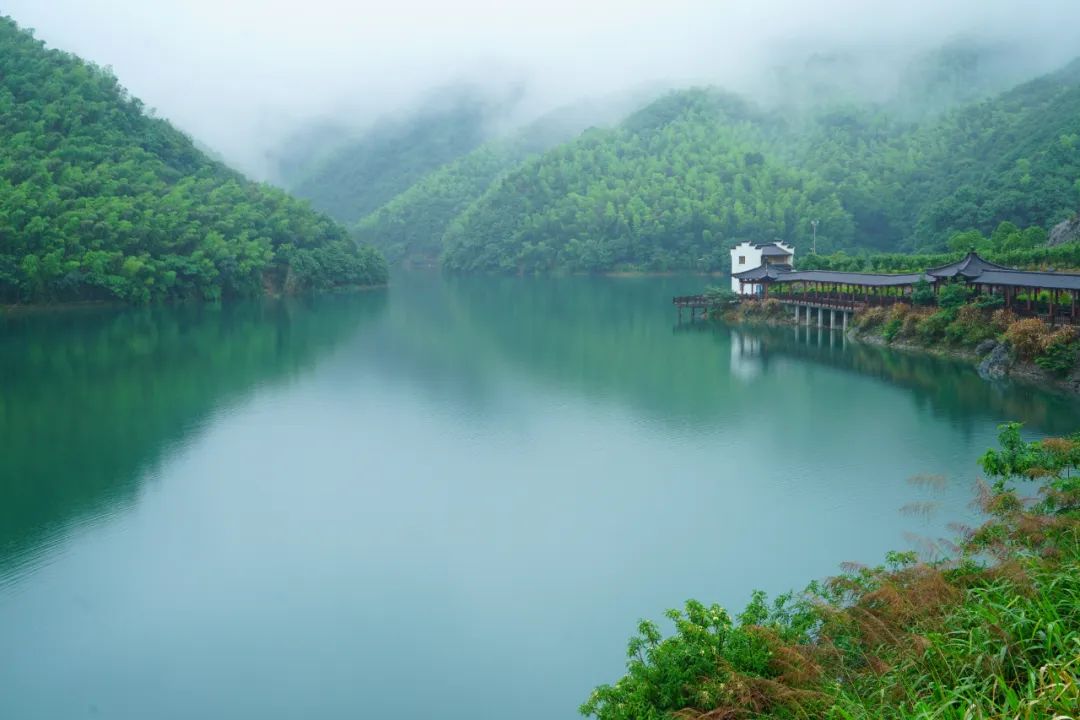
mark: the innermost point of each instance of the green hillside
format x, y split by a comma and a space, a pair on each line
1015, 158
100, 200
668, 188
410, 228
683, 179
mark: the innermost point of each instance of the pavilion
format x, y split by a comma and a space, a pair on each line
1050, 294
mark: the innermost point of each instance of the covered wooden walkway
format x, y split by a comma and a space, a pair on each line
1052, 296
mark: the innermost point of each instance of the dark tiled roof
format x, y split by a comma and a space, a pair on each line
970, 266
773, 250
763, 272
1029, 278
852, 278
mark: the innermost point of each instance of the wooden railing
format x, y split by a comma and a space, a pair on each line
690, 301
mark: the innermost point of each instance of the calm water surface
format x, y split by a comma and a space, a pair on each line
451, 499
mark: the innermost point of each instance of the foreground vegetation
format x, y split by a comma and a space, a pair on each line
101, 201
993, 631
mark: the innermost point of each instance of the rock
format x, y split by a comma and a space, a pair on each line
1065, 232
985, 346
995, 365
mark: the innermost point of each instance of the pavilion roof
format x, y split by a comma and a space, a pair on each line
763, 273
852, 278
970, 266
1029, 278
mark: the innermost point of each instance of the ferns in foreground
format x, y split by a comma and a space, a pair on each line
992, 633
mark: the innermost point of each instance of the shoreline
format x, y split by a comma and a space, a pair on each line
23, 309
1025, 373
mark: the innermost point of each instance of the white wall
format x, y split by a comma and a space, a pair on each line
751, 259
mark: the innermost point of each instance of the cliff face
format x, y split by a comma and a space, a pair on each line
1065, 232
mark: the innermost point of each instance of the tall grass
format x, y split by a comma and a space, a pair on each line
993, 632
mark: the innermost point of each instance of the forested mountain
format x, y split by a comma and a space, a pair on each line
99, 200
365, 172
681, 180
410, 227
1015, 158
666, 189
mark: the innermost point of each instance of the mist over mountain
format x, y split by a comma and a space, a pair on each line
696, 171
246, 75
433, 138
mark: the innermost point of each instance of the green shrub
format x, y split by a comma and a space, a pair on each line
922, 294
990, 301
1060, 354
701, 666
870, 318
953, 295
932, 327
892, 327
719, 296
970, 326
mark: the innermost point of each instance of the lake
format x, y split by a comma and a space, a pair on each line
453, 498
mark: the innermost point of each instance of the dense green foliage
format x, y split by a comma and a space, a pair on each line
99, 200
411, 227
666, 189
994, 632
683, 179
1007, 245
1015, 158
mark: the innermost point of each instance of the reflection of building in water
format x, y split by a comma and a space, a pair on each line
747, 358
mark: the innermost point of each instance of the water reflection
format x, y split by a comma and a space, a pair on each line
613, 339
476, 484
949, 388
92, 400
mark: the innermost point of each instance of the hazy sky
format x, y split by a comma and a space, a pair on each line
240, 74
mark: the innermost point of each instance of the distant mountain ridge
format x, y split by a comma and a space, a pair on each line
950, 144
358, 174
682, 179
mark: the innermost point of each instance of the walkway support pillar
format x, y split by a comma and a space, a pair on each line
796, 314
845, 321
820, 317
832, 319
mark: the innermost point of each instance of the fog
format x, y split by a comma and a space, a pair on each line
242, 75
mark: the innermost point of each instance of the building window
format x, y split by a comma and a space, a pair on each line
742, 259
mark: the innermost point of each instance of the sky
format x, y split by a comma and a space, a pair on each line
241, 75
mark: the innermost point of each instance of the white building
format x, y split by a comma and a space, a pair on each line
748, 256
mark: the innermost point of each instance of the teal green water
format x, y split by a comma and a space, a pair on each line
451, 499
